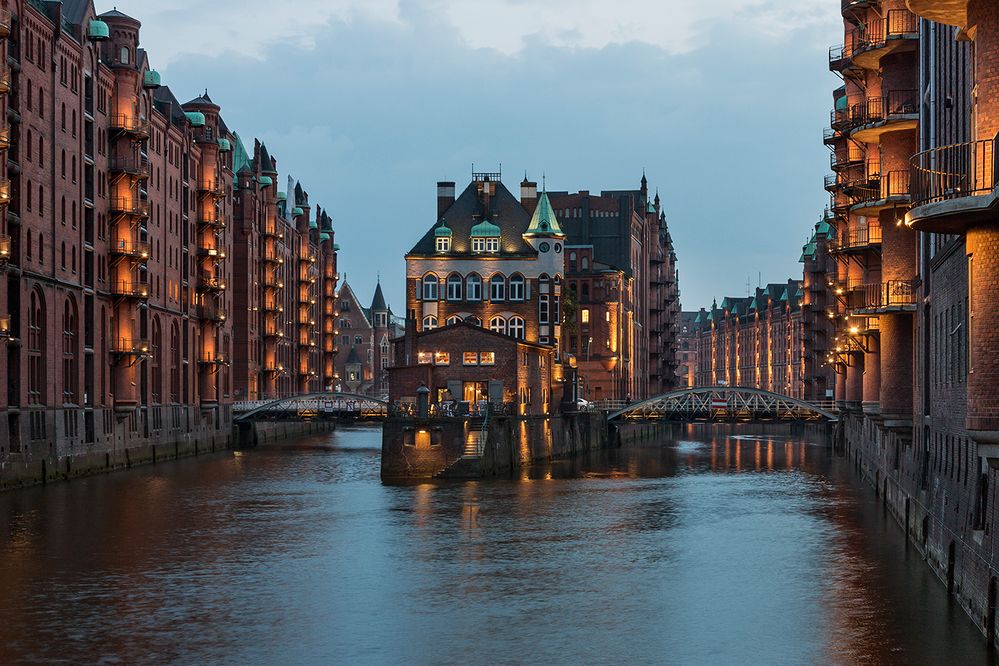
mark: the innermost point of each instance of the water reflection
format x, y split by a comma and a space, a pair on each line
711, 549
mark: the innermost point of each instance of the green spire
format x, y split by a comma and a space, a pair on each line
240, 158
544, 222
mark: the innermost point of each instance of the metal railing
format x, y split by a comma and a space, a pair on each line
5, 248
131, 248
129, 346
127, 123
211, 312
955, 171
890, 294
880, 109
858, 238
124, 206
129, 164
130, 288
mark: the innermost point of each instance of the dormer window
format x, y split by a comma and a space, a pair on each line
492, 245
478, 245
443, 244
485, 237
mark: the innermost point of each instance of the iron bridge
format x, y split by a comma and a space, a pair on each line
724, 404
313, 406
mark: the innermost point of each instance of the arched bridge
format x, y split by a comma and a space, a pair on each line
723, 404
313, 406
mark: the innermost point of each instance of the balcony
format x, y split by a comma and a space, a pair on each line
891, 190
852, 157
125, 247
5, 248
212, 188
5, 331
133, 207
4, 138
129, 347
211, 312
211, 219
130, 165
875, 39
5, 80
271, 257
211, 253
129, 125
954, 12
4, 192
829, 136
954, 187
132, 289
896, 110
5, 23
840, 120
885, 297
270, 231
273, 332
855, 240
213, 359
210, 283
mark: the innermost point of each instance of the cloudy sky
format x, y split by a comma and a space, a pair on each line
370, 102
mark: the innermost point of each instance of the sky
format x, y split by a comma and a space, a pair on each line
370, 102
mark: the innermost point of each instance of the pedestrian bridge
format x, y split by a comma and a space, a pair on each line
724, 404
312, 406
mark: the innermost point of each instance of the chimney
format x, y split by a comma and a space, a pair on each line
529, 195
445, 197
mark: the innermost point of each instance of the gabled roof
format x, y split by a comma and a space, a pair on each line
467, 211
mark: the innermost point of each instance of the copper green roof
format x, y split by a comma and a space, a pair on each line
823, 227
651, 208
324, 236
224, 145
442, 230
196, 118
282, 196
783, 296
297, 210
98, 30
151, 79
240, 158
697, 319
543, 222
735, 309
265, 181
336, 248
485, 229
753, 305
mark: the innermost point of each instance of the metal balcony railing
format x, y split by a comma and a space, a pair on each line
880, 109
130, 164
213, 358
210, 282
4, 138
211, 312
211, 187
951, 172
135, 207
130, 289
129, 124
129, 346
858, 238
893, 294
5, 248
130, 248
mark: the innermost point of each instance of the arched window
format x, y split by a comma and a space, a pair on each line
41, 151
429, 323
572, 261
430, 287
63, 163
473, 287
516, 287
64, 255
497, 288
157, 362
453, 319
41, 249
454, 287
544, 283
474, 321
69, 355
174, 363
584, 263
125, 55
497, 325
36, 349
515, 328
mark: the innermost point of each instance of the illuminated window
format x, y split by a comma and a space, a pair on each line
487, 358
469, 358
607, 315
442, 358
443, 244
473, 288
497, 325
585, 314
425, 358
492, 245
429, 323
515, 328
478, 245
453, 319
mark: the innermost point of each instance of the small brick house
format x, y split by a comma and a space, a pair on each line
469, 364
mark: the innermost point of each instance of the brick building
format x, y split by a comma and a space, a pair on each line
117, 248
364, 338
621, 272
284, 284
464, 362
755, 341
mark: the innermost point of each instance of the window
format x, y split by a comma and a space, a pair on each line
585, 315
470, 358
544, 308
430, 287
36, 350
358, 340
492, 245
478, 245
497, 325
443, 244
487, 358
453, 319
516, 287
345, 340
429, 323
454, 287
473, 288
442, 358
497, 288
474, 321
425, 358
515, 328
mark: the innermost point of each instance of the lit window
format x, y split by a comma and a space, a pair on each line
517, 288
454, 288
430, 287
478, 245
473, 288
585, 314
425, 358
470, 358
429, 323
497, 288
442, 358
497, 325
443, 244
607, 315
487, 358
453, 319
492, 245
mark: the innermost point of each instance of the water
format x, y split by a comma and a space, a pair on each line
732, 552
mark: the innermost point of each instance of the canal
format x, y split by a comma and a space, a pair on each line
718, 550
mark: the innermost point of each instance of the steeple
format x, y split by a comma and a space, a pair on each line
544, 222
378, 302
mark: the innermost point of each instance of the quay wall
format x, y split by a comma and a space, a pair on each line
44, 462
433, 447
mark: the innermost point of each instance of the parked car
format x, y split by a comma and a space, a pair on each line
583, 405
